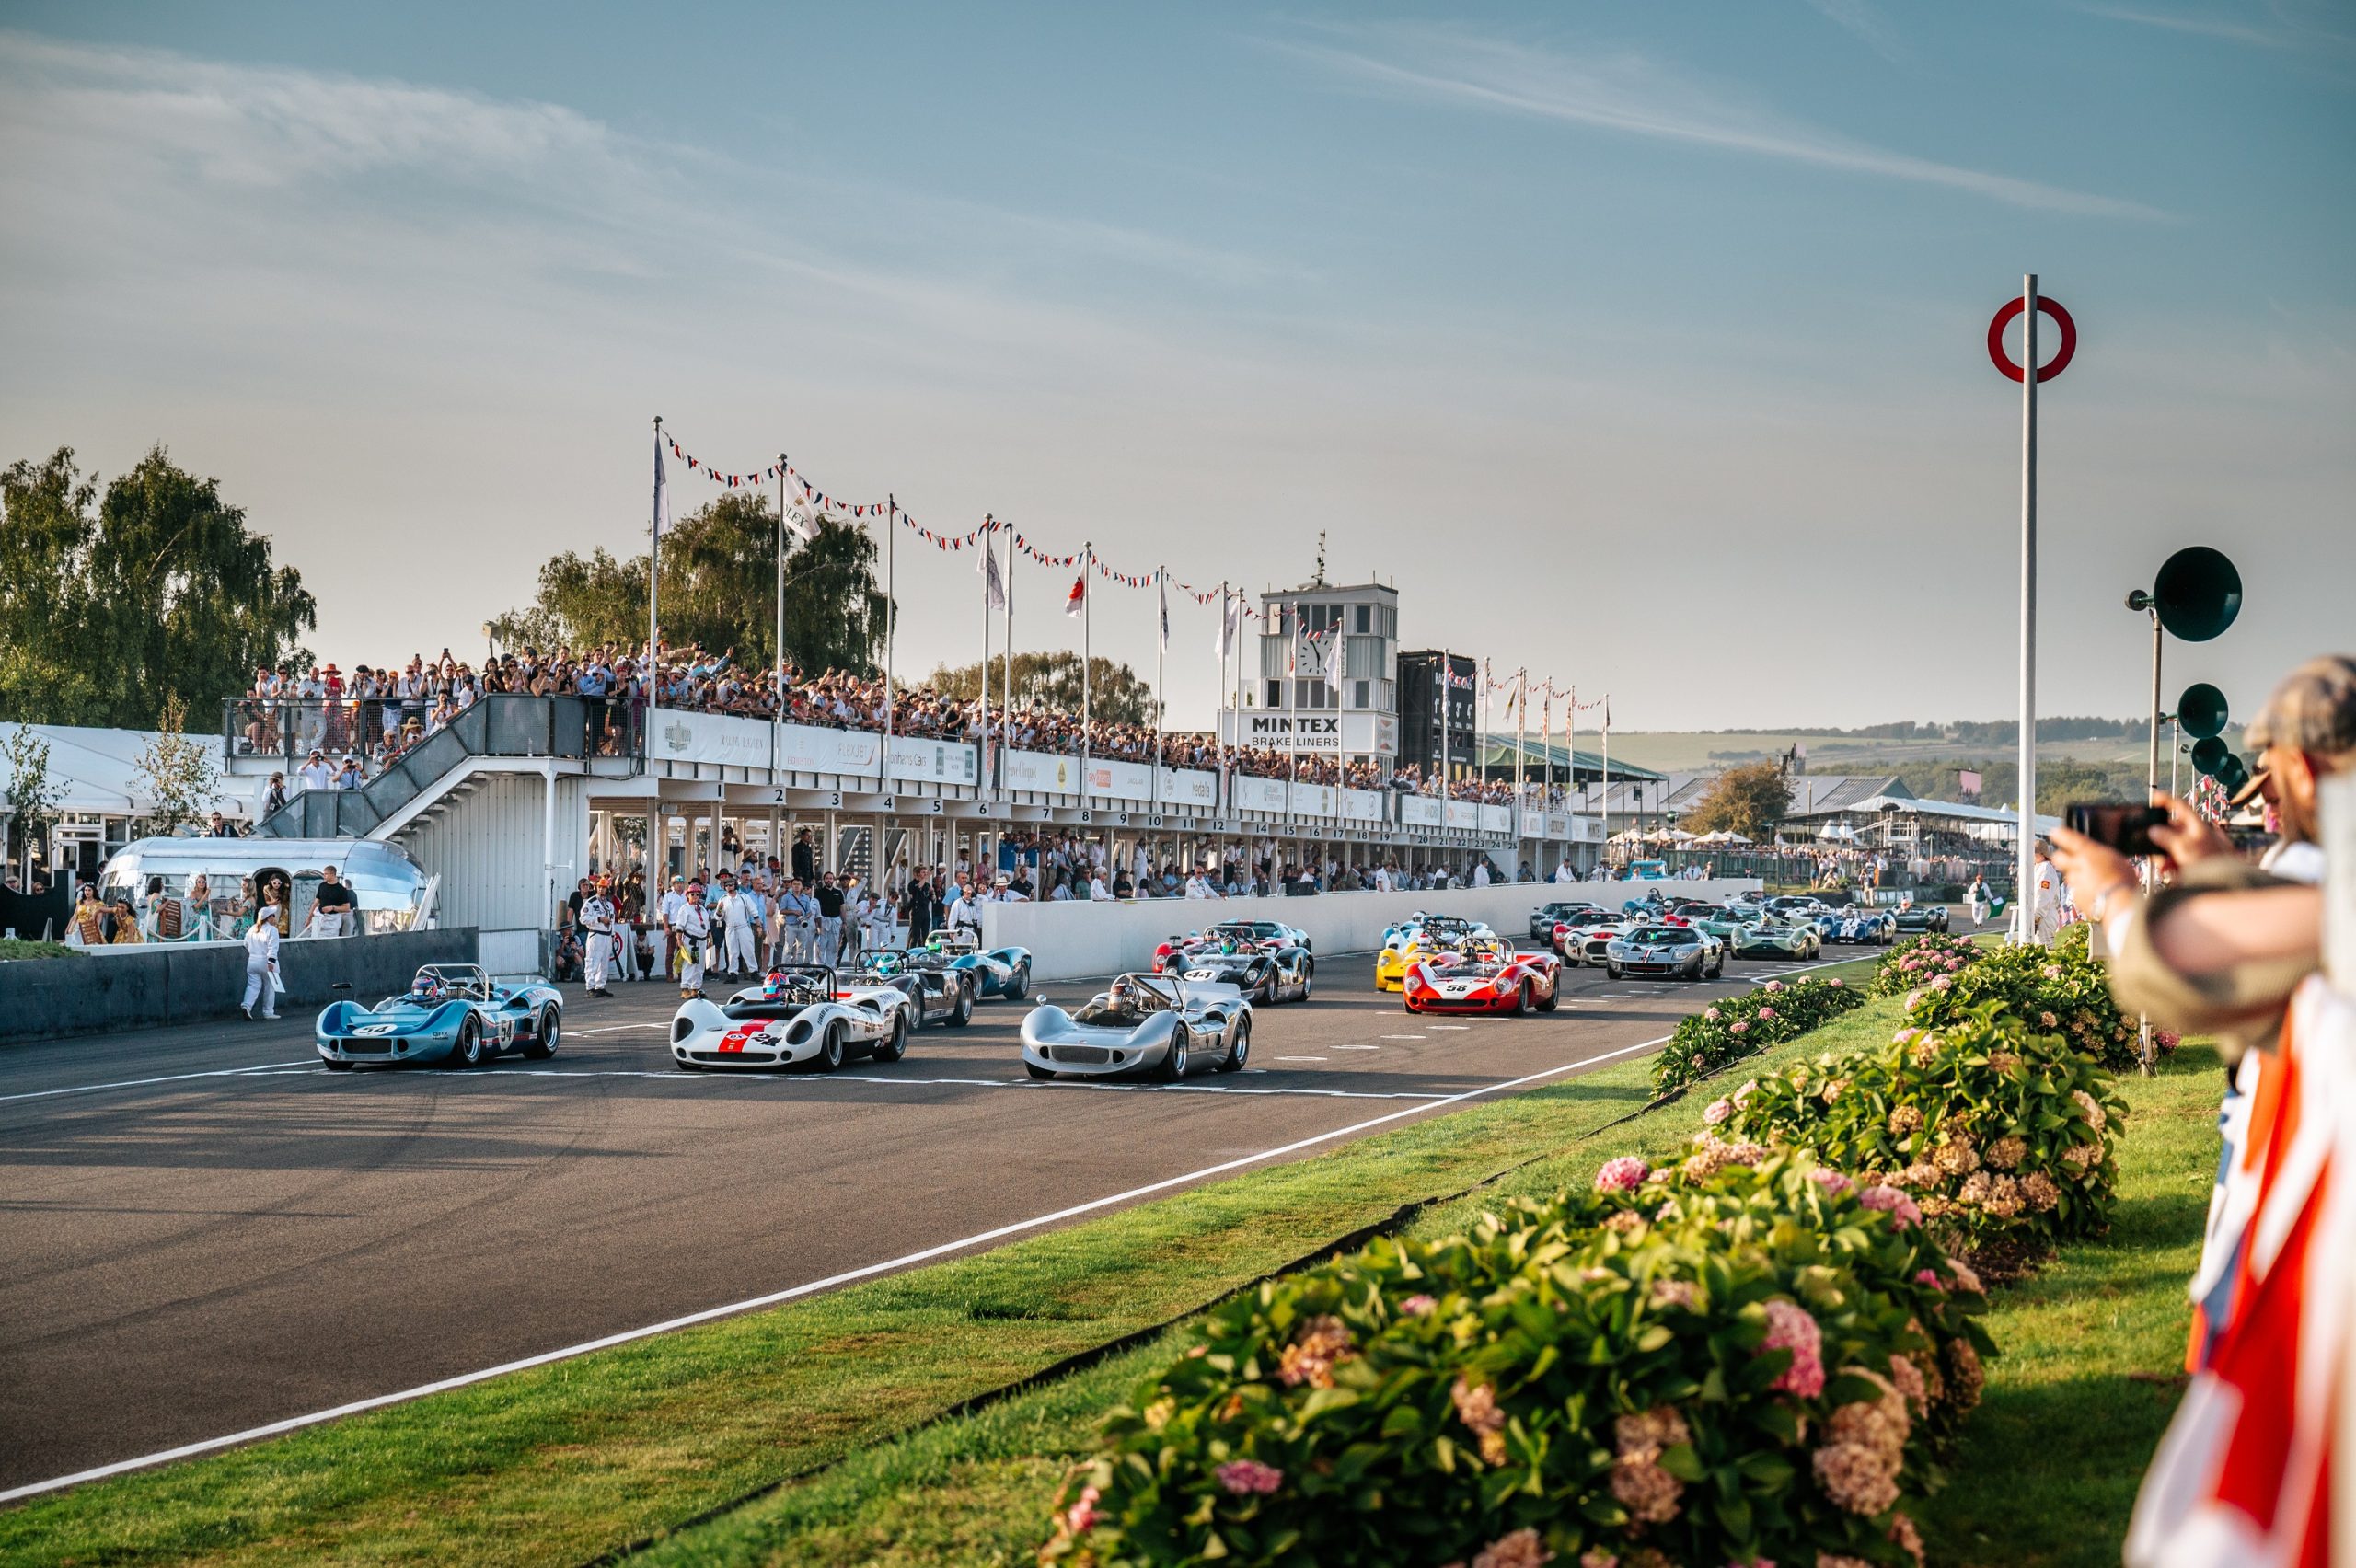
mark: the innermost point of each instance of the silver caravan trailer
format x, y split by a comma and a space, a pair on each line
392, 892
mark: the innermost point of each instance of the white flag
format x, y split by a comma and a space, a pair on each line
802, 518
1231, 623
662, 491
1334, 659
993, 586
1165, 583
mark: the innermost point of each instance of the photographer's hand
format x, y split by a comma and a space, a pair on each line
2188, 836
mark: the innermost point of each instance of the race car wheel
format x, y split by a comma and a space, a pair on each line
1036, 1071
897, 1046
1552, 997
1240, 1052
1174, 1065
1308, 980
1694, 970
1019, 984
830, 1053
961, 1012
1612, 970
544, 1035
1719, 967
468, 1052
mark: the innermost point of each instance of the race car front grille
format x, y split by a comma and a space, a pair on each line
364, 1047
724, 1057
1080, 1056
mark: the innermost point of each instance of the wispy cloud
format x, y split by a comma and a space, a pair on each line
2273, 27
1862, 19
1635, 95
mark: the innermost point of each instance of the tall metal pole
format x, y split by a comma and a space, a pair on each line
777, 661
1006, 684
1086, 643
891, 620
1161, 656
653, 672
2158, 640
989, 559
2024, 861
1605, 786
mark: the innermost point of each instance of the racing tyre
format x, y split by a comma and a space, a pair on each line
1694, 970
893, 1049
1552, 997
1720, 966
830, 1054
544, 1034
1613, 971
1019, 986
1308, 980
961, 1013
1173, 1065
1521, 1000
468, 1052
1240, 1052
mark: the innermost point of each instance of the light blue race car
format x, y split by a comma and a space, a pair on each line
999, 972
451, 1014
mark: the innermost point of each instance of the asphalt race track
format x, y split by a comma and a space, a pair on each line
206, 1231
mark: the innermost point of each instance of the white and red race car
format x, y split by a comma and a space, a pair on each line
799, 1013
1482, 977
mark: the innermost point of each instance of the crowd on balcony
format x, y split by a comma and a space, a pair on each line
337, 731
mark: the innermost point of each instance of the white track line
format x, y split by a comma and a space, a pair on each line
869, 1271
173, 1077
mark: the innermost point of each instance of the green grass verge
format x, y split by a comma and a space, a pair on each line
564, 1462
2048, 1476
18, 947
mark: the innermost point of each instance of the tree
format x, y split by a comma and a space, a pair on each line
177, 772
1749, 799
720, 591
162, 592
1117, 695
31, 796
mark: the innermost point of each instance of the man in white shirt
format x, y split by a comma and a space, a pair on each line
965, 910
666, 914
1481, 873
316, 774
1097, 892
692, 930
1198, 888
739, 912
596, 939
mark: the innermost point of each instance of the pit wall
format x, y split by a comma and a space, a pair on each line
153, 984
1073, 940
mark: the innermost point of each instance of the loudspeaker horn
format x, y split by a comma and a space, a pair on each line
2201, 709
2233, 776
2198, 593
2209, 754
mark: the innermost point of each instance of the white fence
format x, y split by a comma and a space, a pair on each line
1070, 940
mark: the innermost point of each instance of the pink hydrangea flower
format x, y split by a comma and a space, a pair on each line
1247, 1478
1899, 1208
1766, 1012
1944, 983
1789, 1326
2053, 972
1834, 1182
1082, 1517
1929, 1278
1719, 1110
1738, 1028
1903, 1035
1416, 1306
1773, 986
1710, 1014
1624, 1174
1834, 982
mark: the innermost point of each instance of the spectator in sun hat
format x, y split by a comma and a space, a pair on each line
348, 776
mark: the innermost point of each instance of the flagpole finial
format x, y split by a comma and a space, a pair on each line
658, 421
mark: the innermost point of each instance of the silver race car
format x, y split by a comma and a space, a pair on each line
1161, 1026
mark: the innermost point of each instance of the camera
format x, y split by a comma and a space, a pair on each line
2123, 827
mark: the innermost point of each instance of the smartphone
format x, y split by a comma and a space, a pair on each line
2125, 828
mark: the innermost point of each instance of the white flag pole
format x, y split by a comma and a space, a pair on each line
891, 619
1087, 645
1160, 653
987, 564
652, 673
776, 660
1006, 672
2025, 864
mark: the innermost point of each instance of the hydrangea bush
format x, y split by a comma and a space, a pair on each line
1994, 1129
2060, 989
1743, 1357
1718, 1036
1918, 961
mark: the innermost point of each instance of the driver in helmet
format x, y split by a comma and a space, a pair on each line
1123, 1007
428, 989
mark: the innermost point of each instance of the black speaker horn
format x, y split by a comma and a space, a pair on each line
2197, 593
2209, 754
2201, 709
2233, 776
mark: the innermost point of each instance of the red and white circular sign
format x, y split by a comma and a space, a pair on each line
2051, 368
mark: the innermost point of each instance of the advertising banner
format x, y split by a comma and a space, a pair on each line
1314, 801
1043, 771
1257, 794
917, 760
1558, 825
1188, 787
1462, 815
1496, 819
1418, 811
803, 748
1534, 824
1119, 780
1308, 733
1363, 806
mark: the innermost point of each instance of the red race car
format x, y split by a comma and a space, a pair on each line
1482, 977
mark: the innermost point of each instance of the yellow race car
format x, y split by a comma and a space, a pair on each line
1410, 944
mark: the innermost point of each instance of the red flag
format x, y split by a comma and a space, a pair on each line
1077, 600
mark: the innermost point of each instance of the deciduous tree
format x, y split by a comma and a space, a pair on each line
1117, 694
1749, 799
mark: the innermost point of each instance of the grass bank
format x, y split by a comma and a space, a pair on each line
564, 1462
2072, 1409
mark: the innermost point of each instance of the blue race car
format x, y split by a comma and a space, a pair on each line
1001, 971
1871, 928
451, 1014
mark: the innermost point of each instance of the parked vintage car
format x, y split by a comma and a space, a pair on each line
800, 1012
452, 1013
1161, 1026
1676, 952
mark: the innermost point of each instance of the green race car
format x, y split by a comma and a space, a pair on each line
1773, 936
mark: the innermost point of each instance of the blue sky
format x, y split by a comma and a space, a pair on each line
1640, 344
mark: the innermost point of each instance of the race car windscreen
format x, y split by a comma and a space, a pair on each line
1660, 936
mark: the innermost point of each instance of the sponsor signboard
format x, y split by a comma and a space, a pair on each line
1462, 815
1534, 824
1363, 805
803, 748
1314, 799
1419, 811
1355, 732
1044, 771
1496, 819
1120, 781
1247, 794
1587, 830
1189, 786
918, 760
710, 737
1558, 825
